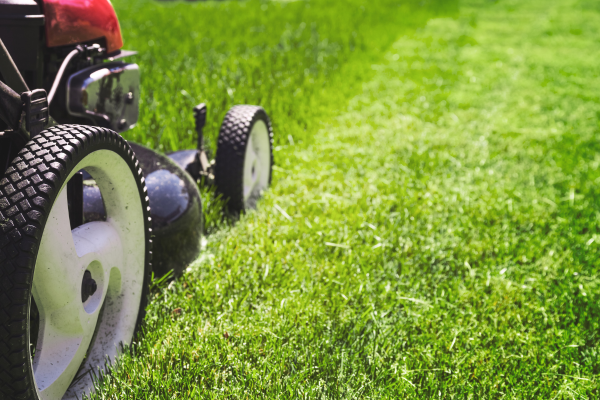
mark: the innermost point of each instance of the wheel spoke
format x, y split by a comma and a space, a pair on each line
59, 355
67, 324
99, 241
54, 286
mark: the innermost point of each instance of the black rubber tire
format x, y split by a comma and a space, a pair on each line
231, 150
28, 191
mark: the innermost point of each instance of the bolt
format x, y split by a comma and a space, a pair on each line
129, 98
88, 286
122, 124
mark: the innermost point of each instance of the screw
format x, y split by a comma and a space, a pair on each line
129, 98
122, 124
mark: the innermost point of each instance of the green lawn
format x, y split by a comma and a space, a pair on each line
278, 54
432, 228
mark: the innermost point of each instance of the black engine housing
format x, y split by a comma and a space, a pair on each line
21, 30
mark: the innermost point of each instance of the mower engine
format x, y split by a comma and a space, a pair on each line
87, 217
107, 94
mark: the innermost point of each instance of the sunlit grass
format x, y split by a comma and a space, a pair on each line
436, 238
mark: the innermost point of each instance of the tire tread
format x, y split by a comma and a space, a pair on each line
231, 151
27, 192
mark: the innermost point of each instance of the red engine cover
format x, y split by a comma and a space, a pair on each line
77, 21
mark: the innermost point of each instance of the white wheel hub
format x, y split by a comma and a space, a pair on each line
257, 164
79, 336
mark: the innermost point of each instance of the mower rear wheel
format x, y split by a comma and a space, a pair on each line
71, 297
244, 157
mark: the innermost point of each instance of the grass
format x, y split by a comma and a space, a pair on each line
278, 54
436, 237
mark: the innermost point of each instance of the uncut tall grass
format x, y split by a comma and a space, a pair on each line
299, 60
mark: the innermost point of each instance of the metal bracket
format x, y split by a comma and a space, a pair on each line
26, 114
35, 107
206, 166
200, 118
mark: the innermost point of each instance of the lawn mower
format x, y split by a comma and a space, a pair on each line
85, 216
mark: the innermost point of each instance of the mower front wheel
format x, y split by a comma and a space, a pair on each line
71, 296
244, 157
